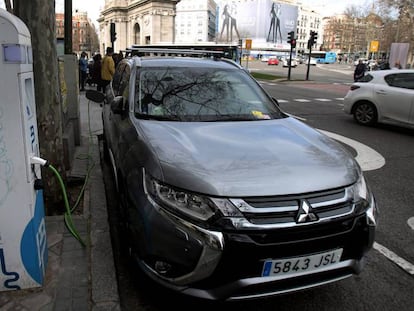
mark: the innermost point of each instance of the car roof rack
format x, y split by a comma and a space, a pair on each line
151, 51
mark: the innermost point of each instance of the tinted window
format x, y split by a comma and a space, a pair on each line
366, 78
402, 80
119, 77
201, 94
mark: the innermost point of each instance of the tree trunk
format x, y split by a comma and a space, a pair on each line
39, 16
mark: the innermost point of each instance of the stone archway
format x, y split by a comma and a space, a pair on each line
137, 21
137, 34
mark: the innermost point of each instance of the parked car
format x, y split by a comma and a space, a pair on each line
217, 185
364, 61
372, 64
382, 96
273, 61
264, 58
311, 62
285, 62
299, 59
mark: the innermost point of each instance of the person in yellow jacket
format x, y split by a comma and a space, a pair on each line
108, 68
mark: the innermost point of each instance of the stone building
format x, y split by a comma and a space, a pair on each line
137, 22
84, 35
196, 21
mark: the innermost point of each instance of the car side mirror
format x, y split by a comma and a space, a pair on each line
95, 96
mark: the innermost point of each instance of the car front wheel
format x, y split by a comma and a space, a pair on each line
365, 113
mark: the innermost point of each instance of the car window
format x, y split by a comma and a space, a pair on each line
121, 78
201, 94
366, 78
402, 80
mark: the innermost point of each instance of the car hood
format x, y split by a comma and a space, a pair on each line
252, 158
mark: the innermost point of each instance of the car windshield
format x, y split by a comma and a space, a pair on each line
201, 94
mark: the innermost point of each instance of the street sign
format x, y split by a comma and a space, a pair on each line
248, 44
373, 47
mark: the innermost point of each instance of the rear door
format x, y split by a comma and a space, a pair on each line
396, 97
115, 119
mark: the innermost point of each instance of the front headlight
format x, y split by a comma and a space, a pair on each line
178, 201
365, 201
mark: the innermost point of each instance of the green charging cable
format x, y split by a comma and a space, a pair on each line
68, 213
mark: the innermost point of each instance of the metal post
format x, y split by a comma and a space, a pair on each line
309, 58
68, 27
290, 61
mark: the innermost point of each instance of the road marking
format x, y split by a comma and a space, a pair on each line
367, 157
301, 100
339, 98
401, 262
296, 117
282, 101
410, 222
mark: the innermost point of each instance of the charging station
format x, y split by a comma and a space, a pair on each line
23, 242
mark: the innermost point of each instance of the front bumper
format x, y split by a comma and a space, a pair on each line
228, 265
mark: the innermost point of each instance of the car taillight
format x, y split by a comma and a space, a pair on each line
354, 87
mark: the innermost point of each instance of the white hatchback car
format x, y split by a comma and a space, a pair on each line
382, 96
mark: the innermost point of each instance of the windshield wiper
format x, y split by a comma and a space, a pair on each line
236, 118
156, 117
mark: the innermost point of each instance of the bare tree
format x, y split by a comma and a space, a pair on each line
39, 16
404, 9
356, 11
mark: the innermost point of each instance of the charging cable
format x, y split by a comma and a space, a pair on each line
68, 213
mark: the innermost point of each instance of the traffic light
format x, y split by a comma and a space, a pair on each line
113, 33
293, 43
314, 37
291, 35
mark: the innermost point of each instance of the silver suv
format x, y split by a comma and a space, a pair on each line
223, 195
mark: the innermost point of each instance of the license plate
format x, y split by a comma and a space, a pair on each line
301, 264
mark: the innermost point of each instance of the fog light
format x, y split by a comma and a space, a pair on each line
162, 267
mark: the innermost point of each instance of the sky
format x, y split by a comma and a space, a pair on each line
92, 7
324, 7
332, 7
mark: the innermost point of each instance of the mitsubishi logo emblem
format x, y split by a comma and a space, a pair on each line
305, 213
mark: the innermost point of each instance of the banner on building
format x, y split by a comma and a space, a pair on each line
399, 54
266, 22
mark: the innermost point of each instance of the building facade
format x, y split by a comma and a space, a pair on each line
137, 22
266, 22
308, 20
84, 34
195, 21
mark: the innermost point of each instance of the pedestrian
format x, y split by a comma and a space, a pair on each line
359, 71
96, 71
397, 65
108, 68
118, 57
83, 70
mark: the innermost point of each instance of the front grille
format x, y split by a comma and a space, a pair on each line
245, 253
282, 211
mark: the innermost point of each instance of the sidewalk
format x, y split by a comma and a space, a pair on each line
77, 278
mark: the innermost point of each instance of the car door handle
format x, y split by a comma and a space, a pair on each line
381, 92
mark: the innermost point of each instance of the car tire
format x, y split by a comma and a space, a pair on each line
365, 113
